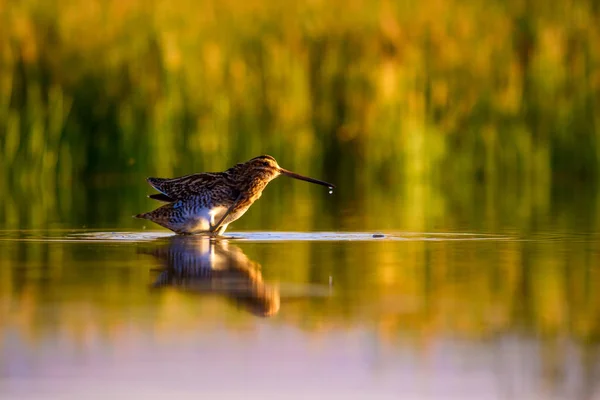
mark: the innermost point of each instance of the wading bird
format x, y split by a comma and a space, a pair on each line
208, 202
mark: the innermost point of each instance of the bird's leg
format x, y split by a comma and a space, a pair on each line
216, 228
222, 229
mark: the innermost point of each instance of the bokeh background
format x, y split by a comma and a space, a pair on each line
440, 116
425, 113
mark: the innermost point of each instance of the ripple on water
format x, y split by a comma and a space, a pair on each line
360, 236
250, 236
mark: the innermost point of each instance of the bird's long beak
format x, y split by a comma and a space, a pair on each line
305, 178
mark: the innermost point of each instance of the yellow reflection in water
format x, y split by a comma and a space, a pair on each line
412, 293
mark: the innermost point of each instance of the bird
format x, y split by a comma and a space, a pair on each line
207, 202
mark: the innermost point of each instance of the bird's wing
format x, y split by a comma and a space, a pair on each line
161, 197
185, 186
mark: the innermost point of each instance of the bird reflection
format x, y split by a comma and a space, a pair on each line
202, 265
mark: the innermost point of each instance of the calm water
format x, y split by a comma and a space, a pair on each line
415, 315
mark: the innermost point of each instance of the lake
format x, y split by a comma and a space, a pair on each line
442, 313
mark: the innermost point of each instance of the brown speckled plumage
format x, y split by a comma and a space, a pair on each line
209, 202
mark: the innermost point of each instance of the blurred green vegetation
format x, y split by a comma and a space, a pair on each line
370, 94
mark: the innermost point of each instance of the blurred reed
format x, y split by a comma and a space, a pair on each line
103, 92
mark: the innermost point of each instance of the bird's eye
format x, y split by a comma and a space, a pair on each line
266, 164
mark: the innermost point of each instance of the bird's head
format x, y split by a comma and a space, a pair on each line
262, 167
265, 168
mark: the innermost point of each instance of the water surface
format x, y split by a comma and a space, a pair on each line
92, 314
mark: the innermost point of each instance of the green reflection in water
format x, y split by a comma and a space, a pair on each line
409, 294
474, 289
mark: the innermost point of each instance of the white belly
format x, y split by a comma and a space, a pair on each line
201, 219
